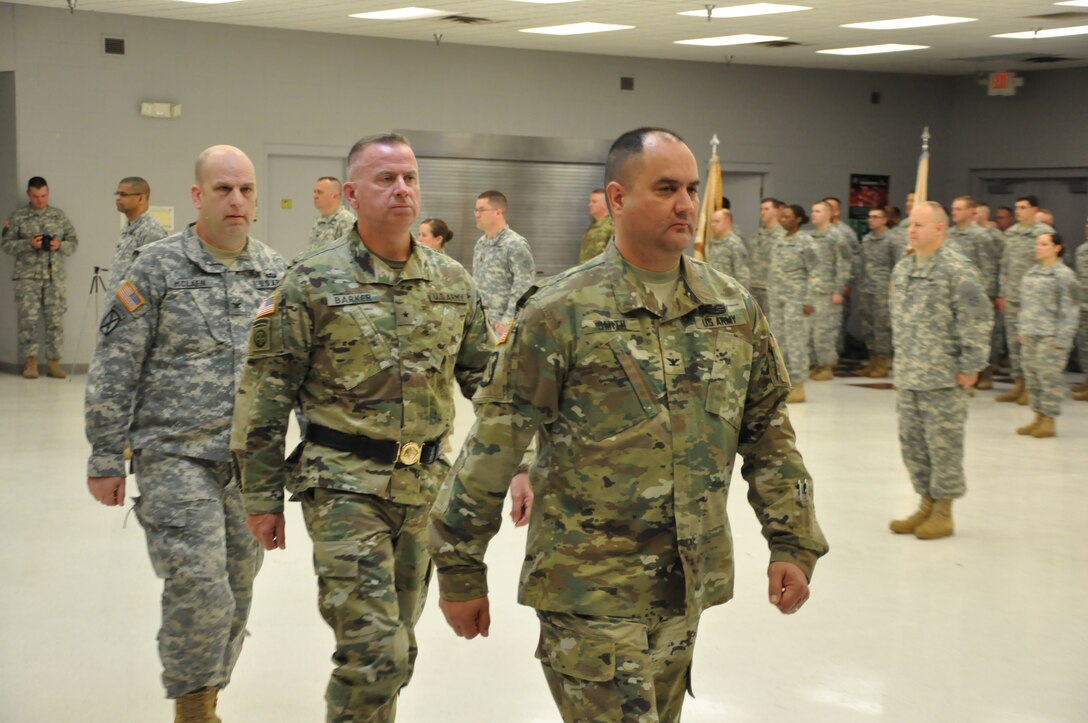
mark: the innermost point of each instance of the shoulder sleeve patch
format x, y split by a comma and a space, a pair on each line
129, 296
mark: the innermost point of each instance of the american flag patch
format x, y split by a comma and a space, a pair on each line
129, 296
267, 306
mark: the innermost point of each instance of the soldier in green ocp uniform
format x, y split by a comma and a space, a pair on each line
643, 373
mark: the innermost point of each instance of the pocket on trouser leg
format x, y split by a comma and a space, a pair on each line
165, 527
581, 673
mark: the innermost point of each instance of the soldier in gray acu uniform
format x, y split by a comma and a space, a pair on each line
726, 252
367, 337
829, 285
878, 258
759, 251
641, 398
793, 264
941, 319
1049, 297
169, 358
141, 228
40, 281
502, 263
1080, 392
1018, 257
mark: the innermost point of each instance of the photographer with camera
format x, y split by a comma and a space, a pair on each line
40, 236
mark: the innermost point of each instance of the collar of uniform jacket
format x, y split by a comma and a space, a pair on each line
630, 294
370, 269
195, 251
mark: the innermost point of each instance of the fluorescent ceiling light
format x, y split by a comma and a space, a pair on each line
547, 2
922, 21
576, 29
872, 49
209, 2
746, 11
1075, 3
400, 14
729, 40
1051, 33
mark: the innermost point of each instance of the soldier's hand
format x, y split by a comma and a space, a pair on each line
270, 530
966, 380
788, 587
999, 302
54, 245
521, 499
836, 299
110, 491
468, 618
36, 241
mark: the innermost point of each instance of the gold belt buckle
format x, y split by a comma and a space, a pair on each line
409, 453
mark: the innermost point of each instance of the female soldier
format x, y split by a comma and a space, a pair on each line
434, 233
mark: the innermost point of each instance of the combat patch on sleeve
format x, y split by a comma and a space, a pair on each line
267, 306
129, 296
262, 338
109, 321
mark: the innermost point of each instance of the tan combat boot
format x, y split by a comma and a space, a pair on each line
1022, 400
1028, 429
880, 368
30, 371
822, 374
53, 369
1082, 387
1045, 428
797, 394
910, 524
939, 524
1013, 394
197, 707
986, 379
863, 370
1081, 396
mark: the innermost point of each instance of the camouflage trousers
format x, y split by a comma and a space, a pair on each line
761, 296
372, 571
1082, 338
876, 323
1043, 364
997, 338
191, 511
34, 299
617, 670
791, 329
1012, 337
931, 429
826, 326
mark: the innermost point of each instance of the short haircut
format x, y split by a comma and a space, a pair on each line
1032, 201
1005, 208
36, 182
331, 179
629, 145
137, 183
496, 198
981, 204
383, 139
823, 202
595, 191
883, 209
771, 200
940, 215
439, 228
836, 199
971, 202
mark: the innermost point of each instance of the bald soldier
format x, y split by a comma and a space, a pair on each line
643, 373
169, 356
600, 231
335, 221
726, 251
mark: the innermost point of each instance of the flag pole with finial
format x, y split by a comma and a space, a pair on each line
921, 183
712, 199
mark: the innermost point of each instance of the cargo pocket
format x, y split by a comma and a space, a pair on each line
570, 654
727, 387
165, 529
337, 559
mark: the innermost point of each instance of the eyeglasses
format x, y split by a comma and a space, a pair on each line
122, 194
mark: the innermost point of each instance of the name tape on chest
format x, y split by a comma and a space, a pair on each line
349, 299
593, 326
267, 283
198, 283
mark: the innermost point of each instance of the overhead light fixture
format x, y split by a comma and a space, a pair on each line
209, 2
873, 49
745, 11
729, 40
1042, 34
1075, 3
922, 21
409, 13
576, 29
547, 2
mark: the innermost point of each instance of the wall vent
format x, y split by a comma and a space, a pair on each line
114, 46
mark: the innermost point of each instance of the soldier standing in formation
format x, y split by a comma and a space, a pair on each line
335, 221
600, 231
1080, 392
997, 248
793, 263
941, 322
1049, 307
132, 197
1018, 257
878, 257
830, 281
629, 538
40, 237
759, 250
974, 243
502, 262
727, 252
164, 375
367, 336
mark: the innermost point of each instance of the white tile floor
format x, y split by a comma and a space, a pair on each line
988, 626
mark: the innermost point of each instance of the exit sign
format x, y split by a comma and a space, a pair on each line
1004, 83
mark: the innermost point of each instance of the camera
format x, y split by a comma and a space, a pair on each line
47, 242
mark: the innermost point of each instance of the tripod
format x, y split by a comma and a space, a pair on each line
98, 285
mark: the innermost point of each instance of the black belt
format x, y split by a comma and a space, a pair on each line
380, 450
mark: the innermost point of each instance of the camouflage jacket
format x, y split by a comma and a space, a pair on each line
729, 255
364, 350
640, 416
327, 229
1081, 260
878, 258
1018, 257
759, 254
503, 270
833, 265
793, 264
135, 236
170, 351
30, 263
595, 239
974, 243
941, 320
1050, 303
